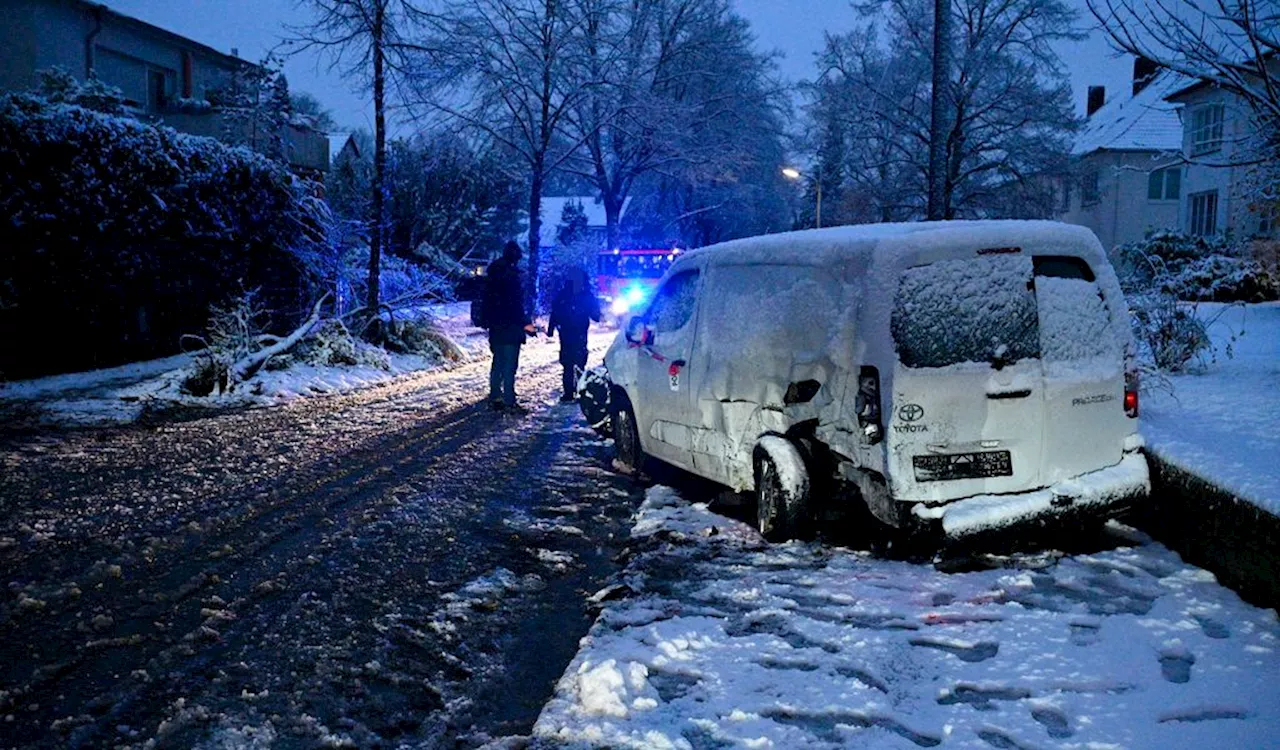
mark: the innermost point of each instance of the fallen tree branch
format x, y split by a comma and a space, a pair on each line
250, 364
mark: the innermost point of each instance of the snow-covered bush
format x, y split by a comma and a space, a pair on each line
420, 336
127, 234
1165, 274
1170, 336
1224, 278
1194, 269
332, 345
60, 87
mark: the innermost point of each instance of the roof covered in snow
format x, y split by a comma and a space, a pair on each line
1146, 122
338, 141
553, 208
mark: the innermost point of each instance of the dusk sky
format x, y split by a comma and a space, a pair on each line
793, 27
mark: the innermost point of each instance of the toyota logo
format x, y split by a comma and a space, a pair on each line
910, 412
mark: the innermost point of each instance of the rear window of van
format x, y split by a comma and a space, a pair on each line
966, 310
1001, 309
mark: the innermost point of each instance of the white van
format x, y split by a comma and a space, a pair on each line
967, 375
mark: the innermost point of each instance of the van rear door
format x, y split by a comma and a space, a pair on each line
967, 403
1083, 358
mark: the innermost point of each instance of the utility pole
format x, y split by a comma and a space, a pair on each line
938, 109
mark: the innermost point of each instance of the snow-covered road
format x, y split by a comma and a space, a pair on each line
401, 567
357, 570
723, 641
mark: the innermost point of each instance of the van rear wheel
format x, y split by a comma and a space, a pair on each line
782, 489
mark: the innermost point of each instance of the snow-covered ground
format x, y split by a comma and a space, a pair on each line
724, 641
121, 395
1223, 423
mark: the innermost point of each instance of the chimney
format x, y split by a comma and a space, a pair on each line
235, 51
1144, 70
1097, 97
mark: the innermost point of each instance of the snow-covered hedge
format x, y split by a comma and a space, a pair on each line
118, 236
1193, 269
1163, 273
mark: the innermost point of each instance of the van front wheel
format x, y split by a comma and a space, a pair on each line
782, 489
626, 439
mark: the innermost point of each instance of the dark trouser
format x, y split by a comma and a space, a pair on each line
572, 355
502, 372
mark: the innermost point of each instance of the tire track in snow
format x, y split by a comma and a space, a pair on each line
154, 611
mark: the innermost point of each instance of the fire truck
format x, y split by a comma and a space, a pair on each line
627, 279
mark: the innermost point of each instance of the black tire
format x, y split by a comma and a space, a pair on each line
626, 437
780, 515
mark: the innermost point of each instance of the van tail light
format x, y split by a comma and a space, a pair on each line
868, 404
1131, 394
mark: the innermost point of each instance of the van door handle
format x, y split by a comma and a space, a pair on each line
1003, 395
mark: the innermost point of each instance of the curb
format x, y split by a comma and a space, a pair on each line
1215, 529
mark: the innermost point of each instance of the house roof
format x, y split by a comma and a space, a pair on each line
1190, 85
553, 207
104, 7
339, 141
1146, 122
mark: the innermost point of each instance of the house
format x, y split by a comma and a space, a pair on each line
165, 77
343, 148
1128, 176
1216, 136
553, 210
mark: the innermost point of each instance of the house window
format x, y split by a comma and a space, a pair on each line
1206, 129
1165, 184
1089, 189
1065, 195
1267, 222
1202, 210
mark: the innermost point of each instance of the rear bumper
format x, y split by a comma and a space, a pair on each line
1099, 494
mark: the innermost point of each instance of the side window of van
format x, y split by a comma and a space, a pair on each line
673, 307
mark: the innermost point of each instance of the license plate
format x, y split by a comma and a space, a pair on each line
938, 468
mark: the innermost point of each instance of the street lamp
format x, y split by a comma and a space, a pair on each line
791, 173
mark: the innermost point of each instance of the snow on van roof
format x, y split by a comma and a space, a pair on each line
817, 246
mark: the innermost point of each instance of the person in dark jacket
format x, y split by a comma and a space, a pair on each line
572, 311
508, 322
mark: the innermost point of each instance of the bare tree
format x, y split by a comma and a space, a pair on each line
647, 57
502, 68
1231, 44
1009, 118
364, 41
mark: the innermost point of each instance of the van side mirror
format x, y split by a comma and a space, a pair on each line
638, 333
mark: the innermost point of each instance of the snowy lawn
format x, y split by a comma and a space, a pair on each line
726, 641
1223, 424
121, 395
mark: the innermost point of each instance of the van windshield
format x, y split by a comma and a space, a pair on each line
966, 310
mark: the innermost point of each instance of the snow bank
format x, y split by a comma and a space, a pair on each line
727, 642
121, 395
1223, 424
64, 385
